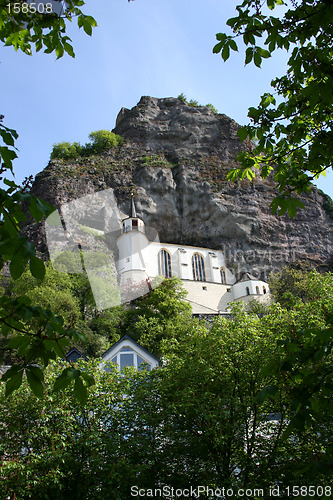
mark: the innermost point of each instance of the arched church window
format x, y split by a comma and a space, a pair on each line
198, 267
223, 276
257, 290
247, 291
164, 263
264, 289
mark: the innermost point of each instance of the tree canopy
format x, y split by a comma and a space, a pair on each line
211, 415
290, 135
25, 30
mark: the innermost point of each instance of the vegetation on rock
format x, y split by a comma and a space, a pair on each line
101, 140
195, 104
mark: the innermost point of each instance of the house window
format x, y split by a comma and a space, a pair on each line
128, 357
198, 267
257, 290
223, 276
164, 264
247, 291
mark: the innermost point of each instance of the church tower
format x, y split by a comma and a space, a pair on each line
131, 246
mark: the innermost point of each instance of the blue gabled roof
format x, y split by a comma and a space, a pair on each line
76, 353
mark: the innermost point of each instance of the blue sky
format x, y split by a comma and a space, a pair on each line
146, 47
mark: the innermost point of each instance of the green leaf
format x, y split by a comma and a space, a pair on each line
17, 341
225, 52
89, 379
233, 45
275, 204
80, 391
232, 21
7, 137
63, 380
37, 268
35, 379
87, 27
263, 53
91, 21
249, 174
59, 50
17, 266
36, 209
283, 206
248, 55
7, 155
69, 49
221, 37
80, 21
257, 59
298, 203
268, 393
242, 133
217, 48
14, 382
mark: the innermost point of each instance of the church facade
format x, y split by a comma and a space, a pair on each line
211, 286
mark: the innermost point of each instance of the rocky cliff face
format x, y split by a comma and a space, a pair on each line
175, 158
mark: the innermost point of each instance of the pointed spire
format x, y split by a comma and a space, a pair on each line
132, 208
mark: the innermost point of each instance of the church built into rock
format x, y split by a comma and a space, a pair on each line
211, 286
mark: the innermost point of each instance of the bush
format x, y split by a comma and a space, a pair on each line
182, 97
102, 140
66, 150
210, 106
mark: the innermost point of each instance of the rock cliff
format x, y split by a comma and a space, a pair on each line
175, 158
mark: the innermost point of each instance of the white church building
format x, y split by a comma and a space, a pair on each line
203, 272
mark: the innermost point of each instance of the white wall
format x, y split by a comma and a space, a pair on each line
208, 298
239, 289
181, 258
138, 260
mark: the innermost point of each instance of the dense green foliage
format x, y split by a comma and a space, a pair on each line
305, 362
36, 333
159, 315
202, 418
101, 140
290, 134
162, 314
26, 30
298, 282
70, 296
